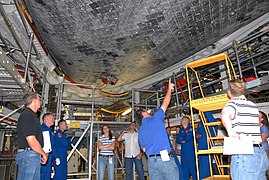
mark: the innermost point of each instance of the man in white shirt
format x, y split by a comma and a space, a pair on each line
84, 153
240, 117
133, 153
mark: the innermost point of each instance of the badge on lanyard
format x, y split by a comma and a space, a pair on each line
164, 155
110, 160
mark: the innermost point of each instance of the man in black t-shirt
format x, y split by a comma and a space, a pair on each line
30, 140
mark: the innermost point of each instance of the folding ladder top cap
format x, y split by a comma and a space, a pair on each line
209, 60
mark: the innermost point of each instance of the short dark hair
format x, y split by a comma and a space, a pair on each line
60, 122
186, 117
46, 115
139, 114
28, 98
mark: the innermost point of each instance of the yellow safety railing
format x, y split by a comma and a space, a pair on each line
205, 104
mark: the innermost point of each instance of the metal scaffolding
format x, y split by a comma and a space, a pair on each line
147, 102
91, 129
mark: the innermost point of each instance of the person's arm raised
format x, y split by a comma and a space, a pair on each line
167, 97
121, 135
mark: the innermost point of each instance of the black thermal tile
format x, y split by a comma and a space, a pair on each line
94, 5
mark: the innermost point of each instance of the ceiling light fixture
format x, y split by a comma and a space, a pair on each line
127, 111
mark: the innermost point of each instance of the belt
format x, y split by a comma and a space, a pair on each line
156, 155
106, 155
23, 149
256, 145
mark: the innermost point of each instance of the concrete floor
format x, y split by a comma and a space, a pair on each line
118, 176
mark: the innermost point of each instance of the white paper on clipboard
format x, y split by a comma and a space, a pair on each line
234, 145
47, 143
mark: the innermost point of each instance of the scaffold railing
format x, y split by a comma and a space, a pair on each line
206, 102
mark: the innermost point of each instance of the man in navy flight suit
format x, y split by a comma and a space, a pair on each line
48, 121
61, 144
185, 138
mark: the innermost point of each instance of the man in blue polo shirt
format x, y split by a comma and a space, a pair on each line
154, 141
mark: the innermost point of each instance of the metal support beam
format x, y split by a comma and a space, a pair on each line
78, 102
175, 82
91, 133
4, 42
45, 96
25, 26
11, 28
237, 58
28, 57
136, 96
9, 67
59, 103
11, 113
133, 105
12, 48
90, 152
79, 140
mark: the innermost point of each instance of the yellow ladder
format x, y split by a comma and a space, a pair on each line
209, 104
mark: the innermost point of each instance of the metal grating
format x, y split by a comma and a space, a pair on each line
10, 91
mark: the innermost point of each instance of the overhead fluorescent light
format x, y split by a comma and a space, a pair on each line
127, 111
8, 134
82, 114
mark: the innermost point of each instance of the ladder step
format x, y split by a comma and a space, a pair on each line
217, 177
213, 124
216, 137
211, 151
225, 165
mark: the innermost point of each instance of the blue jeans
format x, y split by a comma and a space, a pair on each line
28, 162
162, 170
249, 166
138, 167
102, 164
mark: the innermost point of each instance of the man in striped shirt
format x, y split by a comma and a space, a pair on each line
240, 117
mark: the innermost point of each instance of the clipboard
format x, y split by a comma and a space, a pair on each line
47, 144
234, 145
